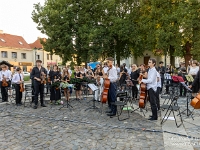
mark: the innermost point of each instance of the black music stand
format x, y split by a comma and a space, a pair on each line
189, 92
66, 104
94, 88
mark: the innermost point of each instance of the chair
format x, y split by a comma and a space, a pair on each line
123, 96
28, 93
172, 108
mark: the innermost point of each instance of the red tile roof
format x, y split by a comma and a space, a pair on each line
14, 41
37, 44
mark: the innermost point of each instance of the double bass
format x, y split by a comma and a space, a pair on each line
106, 85
143, 94
195, 103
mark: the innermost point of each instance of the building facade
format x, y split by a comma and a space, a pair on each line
16, 51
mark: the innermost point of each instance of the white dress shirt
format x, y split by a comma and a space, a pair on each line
159, 80
151, 81
105, 69
6, 74
16, 78
112, 74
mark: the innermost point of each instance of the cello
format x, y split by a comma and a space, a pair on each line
143, 94
106, 85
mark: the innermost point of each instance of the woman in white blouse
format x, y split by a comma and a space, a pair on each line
194, 68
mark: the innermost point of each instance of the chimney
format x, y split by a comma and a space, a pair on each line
1, 31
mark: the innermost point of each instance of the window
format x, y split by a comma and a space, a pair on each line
4, 54
14, 54
38, 57
47, 56
23, 55
25, 68
51, 57
2, 40
20, 43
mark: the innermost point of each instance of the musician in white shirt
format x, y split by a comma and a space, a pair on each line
17, 79
151, 82
112, 75
5, 75
159, 85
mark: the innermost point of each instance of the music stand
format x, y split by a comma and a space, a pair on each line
189, 112
67, 104
94, 88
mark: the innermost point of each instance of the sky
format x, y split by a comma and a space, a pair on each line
15, 18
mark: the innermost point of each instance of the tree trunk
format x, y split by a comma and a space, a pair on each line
171, 53
187, 55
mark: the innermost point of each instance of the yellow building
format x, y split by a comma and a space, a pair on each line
16, 51
46, 57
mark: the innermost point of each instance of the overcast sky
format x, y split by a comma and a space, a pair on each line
15, 18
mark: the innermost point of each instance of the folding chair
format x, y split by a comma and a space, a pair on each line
28, 93
125, 99
172, 108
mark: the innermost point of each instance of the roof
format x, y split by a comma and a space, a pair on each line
37, 44
14, 41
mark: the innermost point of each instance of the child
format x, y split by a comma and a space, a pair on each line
17, 80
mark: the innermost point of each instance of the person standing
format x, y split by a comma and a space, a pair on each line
17, 79
37, 73
55, 76
112, 76
161, 70
151, 82
5, 76
134, 78
78, 75
159, 85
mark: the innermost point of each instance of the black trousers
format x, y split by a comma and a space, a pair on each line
152, 100
38, 88
18, 94
158, 97
134, 91
182, 88
162, 82
112, 97
4, 93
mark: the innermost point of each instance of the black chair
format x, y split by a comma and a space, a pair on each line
172, 108
124, 99
28, 94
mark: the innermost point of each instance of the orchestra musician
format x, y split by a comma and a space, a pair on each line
112, 76
4, 78
134, 77
78, 75
99, 80
66, 78
54, 77
151, 82
17, 79
37, 73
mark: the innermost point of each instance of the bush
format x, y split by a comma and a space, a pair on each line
26, 78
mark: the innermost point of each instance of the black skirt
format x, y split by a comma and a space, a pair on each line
55, 94
77, 87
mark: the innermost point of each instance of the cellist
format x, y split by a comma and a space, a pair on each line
151, 82
17, 79
112, 76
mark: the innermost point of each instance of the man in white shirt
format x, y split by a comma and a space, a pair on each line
112, 75
5, 75
159, 85
151, 82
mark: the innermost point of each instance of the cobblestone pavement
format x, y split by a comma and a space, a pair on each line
23, 128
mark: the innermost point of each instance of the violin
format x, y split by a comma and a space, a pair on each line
4, 82
21, 87
43, 81
143, 94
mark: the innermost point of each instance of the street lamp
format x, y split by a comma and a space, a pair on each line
35, 54
115, 43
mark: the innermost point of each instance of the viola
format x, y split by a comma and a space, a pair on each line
143, 94
195, 103
4, 82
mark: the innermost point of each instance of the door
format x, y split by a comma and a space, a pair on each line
146, 59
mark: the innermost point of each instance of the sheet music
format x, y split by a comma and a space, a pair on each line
93, 87
167, 76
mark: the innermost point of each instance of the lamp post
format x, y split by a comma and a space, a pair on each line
114, 51
35, 54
